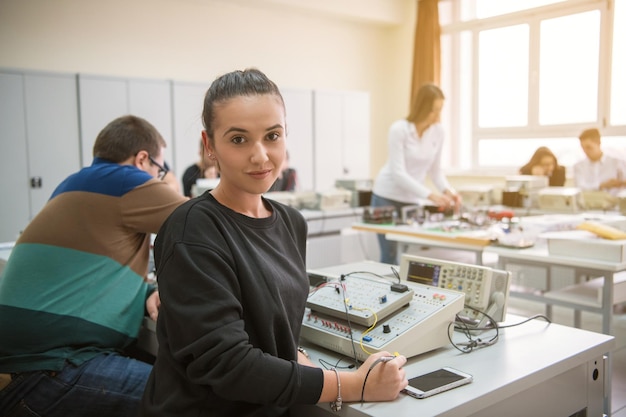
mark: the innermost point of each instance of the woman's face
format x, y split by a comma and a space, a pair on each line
435, 114
548, 165
249, 142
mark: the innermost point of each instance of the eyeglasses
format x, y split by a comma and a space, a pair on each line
163, 170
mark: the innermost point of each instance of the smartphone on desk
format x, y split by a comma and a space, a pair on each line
432, 383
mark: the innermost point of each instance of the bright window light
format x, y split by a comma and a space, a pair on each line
503, 77
480, 9
618, 72
568, 75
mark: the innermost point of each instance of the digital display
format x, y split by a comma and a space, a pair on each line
423, 273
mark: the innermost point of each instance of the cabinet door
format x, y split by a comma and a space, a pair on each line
299, 107
356, 140
188, 101
342, 137
15, 206
39, 144
52, 130
152, 100
103, 99
328, 139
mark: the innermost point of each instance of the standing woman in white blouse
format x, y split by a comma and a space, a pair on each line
415, 145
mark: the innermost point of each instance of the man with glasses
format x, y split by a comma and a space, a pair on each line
74, 290
164, 170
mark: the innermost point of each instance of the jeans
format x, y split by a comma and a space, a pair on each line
388, 249
107, 385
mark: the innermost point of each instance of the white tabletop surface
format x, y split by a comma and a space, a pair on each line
524, 356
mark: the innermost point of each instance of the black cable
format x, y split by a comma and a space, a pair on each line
536, 316
467, 347
395, 272
327, 365
345, 307
384, 279
384, 359
472, 343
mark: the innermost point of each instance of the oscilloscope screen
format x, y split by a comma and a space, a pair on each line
423, 273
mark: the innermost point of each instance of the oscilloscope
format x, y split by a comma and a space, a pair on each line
486, 289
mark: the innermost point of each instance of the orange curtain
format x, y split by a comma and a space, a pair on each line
427, 49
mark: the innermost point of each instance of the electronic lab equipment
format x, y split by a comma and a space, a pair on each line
334, 198
598, 200
621, 202
561, 199
202, 185
486, 289
288, 198
379, 215
361, 190
362, 308
476, 195
523, 190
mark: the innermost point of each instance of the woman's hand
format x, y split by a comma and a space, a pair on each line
152, 305
441, 200
386, 378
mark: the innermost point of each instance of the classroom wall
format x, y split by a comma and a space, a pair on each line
338, 44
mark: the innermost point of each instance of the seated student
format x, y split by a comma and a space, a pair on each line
232, 272
287, 179
543, 162
204, 168
73, 293
598, 171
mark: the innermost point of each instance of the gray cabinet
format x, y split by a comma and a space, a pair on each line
188, 101
49, 123
299, 107
39, 144
103, 99
342, 137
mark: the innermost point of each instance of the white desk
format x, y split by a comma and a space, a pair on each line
539, 256
404, 239
535, 369
603, 292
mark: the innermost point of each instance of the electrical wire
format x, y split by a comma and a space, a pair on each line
328, 365
383, 359
395, 272
476, 343
384, 279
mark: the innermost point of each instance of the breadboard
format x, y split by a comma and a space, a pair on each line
358, 298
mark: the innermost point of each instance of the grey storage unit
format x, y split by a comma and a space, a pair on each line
299, 106
188, 100
342, 137
39, 144
103, 99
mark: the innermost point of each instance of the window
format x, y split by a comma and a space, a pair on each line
569, 54
503, 76
618, 69
521, 74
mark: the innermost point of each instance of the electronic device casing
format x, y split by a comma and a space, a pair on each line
486, 289
465, 378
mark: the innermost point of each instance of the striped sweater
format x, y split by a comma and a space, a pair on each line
74, 284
